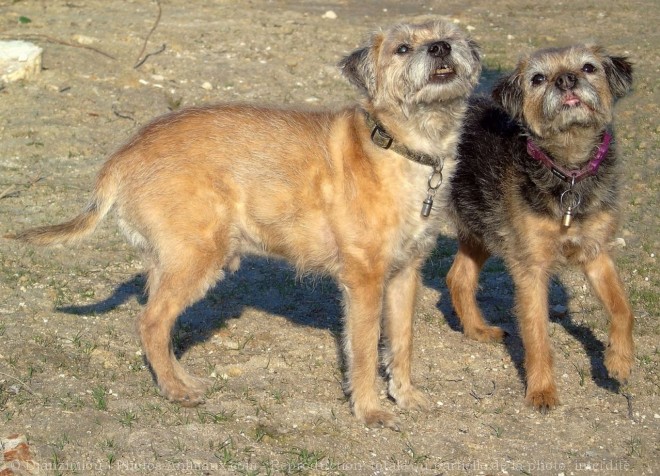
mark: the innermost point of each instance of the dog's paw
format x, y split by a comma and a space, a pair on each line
618, 364
186, 396
377, 417
543, 400
485, 333
381, 418
412, 399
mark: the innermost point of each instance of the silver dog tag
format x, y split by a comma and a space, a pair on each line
568, 217
426, 206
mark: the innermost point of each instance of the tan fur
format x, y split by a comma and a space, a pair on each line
196, 189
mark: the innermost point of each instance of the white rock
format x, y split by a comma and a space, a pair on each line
19, 60
330, 15
206, 85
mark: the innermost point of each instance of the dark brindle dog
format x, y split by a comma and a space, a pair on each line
537, 184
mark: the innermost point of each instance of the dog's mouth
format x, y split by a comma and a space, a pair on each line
570, 100
442, 73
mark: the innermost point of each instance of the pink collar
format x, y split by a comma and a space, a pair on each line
572, 176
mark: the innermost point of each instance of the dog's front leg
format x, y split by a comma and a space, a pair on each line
605, 282
400, 299
363, 297
531, 282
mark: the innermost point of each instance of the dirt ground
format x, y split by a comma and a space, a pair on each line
72, 377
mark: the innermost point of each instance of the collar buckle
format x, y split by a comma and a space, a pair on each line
384, 140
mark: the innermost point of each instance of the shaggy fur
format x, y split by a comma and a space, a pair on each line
507, 204
196, 189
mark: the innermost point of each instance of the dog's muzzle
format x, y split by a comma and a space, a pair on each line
444, 71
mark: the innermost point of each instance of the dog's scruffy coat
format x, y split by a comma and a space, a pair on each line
507, 203
197, 188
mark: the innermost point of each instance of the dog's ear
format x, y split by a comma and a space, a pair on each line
508, 93
360, 66
475, 49
619, 74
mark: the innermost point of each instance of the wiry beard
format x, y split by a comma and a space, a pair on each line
560, 116
427, 80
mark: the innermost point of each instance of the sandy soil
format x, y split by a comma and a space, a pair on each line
72, 378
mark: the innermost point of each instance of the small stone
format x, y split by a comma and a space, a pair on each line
619, 242
85, 40
231, 345
329, 15
207, 86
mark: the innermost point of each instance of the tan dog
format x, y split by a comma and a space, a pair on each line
338, 193
538, 185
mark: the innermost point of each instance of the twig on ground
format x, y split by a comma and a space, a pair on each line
12, 190
23, 384
140, 61
122, 115
50, 39
8, 191
629, 399
157, 52
474, 394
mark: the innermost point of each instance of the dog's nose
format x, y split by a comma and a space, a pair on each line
566, 81
439, 49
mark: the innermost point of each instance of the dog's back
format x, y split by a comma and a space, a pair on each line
488, 151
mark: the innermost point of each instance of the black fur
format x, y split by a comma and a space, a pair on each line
493, 162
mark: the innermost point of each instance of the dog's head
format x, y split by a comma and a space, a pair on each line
554, 90
413, 64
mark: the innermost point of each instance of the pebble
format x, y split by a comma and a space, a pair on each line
330, 15
619, 242
84, 40
207, 86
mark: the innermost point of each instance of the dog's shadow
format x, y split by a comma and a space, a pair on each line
496, 300
271, 286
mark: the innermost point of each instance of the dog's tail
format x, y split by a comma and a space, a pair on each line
104, 196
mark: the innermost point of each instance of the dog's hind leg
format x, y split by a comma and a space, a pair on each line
173, 286
400, 298
463, 280
605, 281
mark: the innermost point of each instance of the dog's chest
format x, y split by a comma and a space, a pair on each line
418, 230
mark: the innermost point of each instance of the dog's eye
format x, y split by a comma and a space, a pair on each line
589, 68
538, 79
402, 49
